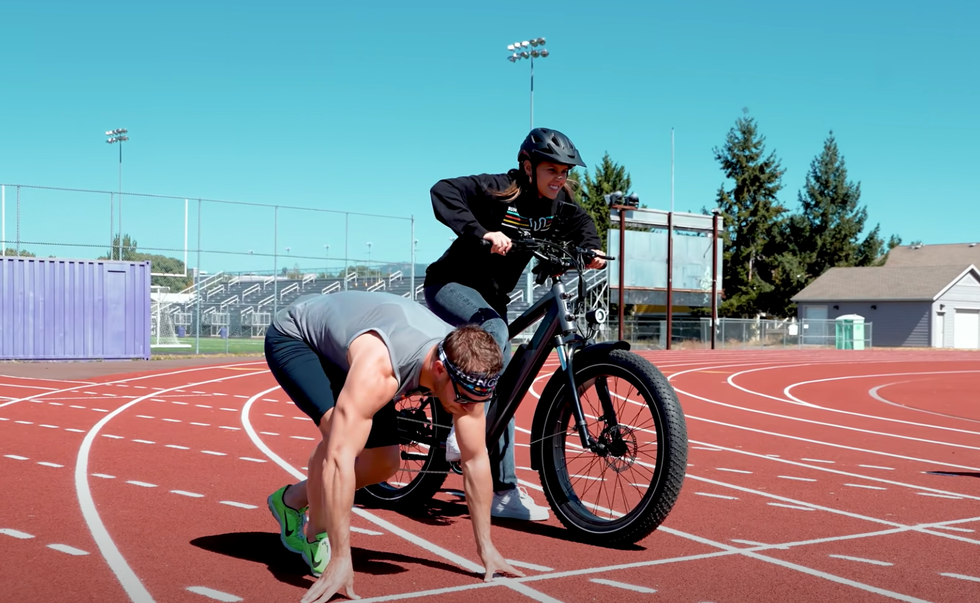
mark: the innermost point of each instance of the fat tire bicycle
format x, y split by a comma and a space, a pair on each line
608, 437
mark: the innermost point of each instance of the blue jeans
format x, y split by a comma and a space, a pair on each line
458, 304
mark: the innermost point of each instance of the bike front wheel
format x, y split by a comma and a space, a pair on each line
622, 490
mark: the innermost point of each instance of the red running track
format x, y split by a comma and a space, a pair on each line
813, 476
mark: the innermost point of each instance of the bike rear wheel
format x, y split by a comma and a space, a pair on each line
423, 426
622, 492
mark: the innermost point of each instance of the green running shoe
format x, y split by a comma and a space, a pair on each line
290, 521
317, 554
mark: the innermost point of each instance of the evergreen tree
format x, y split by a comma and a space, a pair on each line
608, 177
11, 252
757, 265
159, 263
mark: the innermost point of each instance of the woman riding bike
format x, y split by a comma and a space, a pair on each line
472, 280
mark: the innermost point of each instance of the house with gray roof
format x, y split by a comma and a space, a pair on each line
909, 304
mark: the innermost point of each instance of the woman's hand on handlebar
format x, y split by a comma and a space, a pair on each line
597, 261
500, 243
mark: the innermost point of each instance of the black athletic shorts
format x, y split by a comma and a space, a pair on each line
314, 383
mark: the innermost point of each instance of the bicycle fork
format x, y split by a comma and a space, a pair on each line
602, 389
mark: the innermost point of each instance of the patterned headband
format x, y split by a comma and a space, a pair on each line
478, 384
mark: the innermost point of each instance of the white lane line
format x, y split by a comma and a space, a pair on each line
141, 484
302, 438
961, 577
877, 467
760, 544
229, 409
269, 414
860, 560
632, 587
251, 460
201, 424
799, 479
114, 437
939, 495
232, 503
797, 507
716, 495
231, 428
268, 433
64, 548
218, 394
55, 403
110, 552
530, 566
203, 406
25, 422
47, 464
866, 487
72, 429
144, 442
16, 533
210, 593
706, 448
100, 410
953, 528
213, 453
104, 475
49, 426
173, 420
177, 447
301, 418
732, 470
16, 457
181, 403
77, 406
197, 392
185, 493
363, 531
144, 417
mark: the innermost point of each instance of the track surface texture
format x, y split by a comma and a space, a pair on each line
812, 476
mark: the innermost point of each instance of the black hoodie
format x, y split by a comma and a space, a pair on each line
470, 208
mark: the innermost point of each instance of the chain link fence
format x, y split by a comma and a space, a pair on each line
744, 333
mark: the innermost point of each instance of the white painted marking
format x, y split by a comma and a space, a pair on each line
241, 396
100, 410
955, 529
733, 470
232, 428
47, 464
301, 418
158, 400
90, 393
961, 577
16, 534
269, 414
218, 394
185, 493
716, 495
865, 486
177, 447
203, 406
110, 395
211, 452
860, 560
49, 426
64, 548
201, 424
877, 467
173, 420
268, 433
76, 406
270, 400
197, 392
72, 429
24, 422
302, 438
55, 403
16, 457
181, 403
589, 477
210, 593
141, 484
761, 544
939, 495
251, 460
104, 475
363, 531
230, 409
634, 588
797, 507
114, 437
144, 442
799, 479
144, 417
706, 448
232, 503
530, 566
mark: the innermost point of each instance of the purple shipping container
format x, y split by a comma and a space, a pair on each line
58, 309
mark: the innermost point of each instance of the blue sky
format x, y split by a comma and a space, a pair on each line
363, 106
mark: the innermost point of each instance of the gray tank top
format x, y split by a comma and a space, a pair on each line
329, 323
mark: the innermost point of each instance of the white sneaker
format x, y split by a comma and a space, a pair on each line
452, 448
517, 504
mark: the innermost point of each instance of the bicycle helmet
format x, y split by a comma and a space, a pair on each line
544, 144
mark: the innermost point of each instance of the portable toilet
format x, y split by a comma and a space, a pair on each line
849, 330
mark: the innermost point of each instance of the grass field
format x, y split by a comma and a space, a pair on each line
213, 345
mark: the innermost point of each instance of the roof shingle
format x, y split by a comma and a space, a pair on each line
886, 283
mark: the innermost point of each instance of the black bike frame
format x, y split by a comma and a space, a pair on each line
556, 331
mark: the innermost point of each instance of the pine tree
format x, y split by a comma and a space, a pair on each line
755, 256
609, 177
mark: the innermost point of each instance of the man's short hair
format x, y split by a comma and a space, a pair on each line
474, 350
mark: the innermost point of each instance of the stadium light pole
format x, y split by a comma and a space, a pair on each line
528, 49
326, 258
369, 260
118, 136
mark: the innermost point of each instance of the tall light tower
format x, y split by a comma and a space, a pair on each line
528, 49
119, 135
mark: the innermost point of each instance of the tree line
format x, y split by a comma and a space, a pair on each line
770, 253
